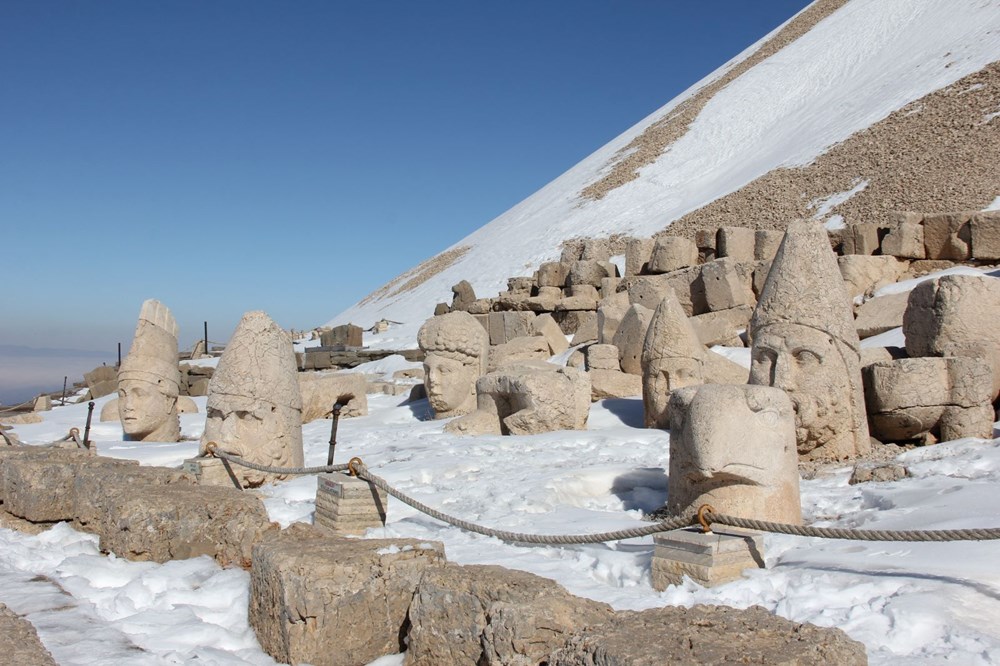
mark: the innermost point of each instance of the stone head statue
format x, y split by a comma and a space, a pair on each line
254, 408
733, 446
672, 357
805, 343
455, 349
149, 380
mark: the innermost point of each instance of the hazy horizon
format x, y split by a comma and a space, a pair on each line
26, 372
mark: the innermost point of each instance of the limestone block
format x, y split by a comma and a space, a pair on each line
97, 487
456, 354
948, 236
711, 559
723, 326
609, 286
584, 291
737, 243
490, 615
552, 274
519, 349
101, 373
720, 287
9, 454
546, 327
881, 314
546, 300
577, 359
348, 335
718, 369
757, 478
707, 635
517, 301
199, 387
42, 490
101, 389
175, 522
464, 295
871, 355
480, 306
864, 274
572, 320
332, 601
571, 251
586, 328
527, 398
19, 642
765, 244
630, 336
576, 303
610, 312
649, 290
637, 254
441, 308
955, 315
43, 403
877, 472
860, 239
520, 283
613, 384
602, 357
671, 253
23, 418
595, 249
896, 218
906, 241
705, 239
984, 230
759, 277
321, 390
587, 272
347, 505
951, 396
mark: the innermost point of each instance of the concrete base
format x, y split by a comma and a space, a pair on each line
348, 505
209, 471
709, 559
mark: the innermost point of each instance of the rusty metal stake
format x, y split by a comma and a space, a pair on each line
86, 430
64, 391
333, 432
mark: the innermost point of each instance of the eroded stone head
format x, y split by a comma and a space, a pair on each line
672, 358
254, 407
733, 447
455, 350
149, 379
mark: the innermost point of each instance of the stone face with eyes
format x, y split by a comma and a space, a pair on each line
455, 348
733, 446
148, 412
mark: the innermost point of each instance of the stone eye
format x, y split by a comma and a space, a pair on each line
807, 357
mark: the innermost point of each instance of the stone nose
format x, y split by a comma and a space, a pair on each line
782, 375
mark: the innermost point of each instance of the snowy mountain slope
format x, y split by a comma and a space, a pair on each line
857, 65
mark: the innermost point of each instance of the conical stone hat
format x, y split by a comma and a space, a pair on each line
671, 334
805, 287
153, 355
258, 365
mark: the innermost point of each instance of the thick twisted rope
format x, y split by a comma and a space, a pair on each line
978, 534
320, 469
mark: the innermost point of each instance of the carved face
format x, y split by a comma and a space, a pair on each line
143, 408
662, 376
451, 384
260, 432
808, 366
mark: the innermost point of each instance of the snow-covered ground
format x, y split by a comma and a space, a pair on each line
908, 603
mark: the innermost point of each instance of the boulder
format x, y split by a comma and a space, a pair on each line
489, 615
320, 390
864, 274
333, 601
671, 253
630, 336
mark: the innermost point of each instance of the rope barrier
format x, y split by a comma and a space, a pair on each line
706, 516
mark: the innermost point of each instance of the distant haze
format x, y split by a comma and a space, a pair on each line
25, 371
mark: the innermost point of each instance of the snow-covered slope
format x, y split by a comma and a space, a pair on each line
850, 70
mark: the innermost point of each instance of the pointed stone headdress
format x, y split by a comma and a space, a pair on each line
153, 355
258, 364
671, 334
805, 287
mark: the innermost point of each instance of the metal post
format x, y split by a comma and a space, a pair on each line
64, 391
333, 432
119, 355
206, 338
86, 430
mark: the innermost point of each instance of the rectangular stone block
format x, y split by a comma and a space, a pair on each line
737, 243
97, 487
723, 326
709, 558
860, 239
637, 254
985, 235
766, 243
948, 236
331, 601
649, 290
176, 522
42, 489
348, 335
672, 253
498, 335
720, 287
905, 241
705, 239
13, 453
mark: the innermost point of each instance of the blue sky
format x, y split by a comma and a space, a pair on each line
228, 156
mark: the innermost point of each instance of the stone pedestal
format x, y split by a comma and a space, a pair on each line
709, 559
348, 505
209, 471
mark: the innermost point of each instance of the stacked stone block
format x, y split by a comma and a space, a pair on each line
348, 505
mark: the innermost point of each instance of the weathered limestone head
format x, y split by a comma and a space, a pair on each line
455, 348
804, 342
733, 446
149, 379
254, 408
672, 357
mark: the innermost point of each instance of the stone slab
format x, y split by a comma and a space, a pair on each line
709, 558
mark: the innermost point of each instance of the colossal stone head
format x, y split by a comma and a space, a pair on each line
149, 380
672, 358
455, 349
733, 446
804, 342
254, 408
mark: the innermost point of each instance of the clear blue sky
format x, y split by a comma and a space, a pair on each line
234, 155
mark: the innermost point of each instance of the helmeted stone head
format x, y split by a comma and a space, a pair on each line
672, 358
149, 379
455, 348
805, 343
733, 447
254, 407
